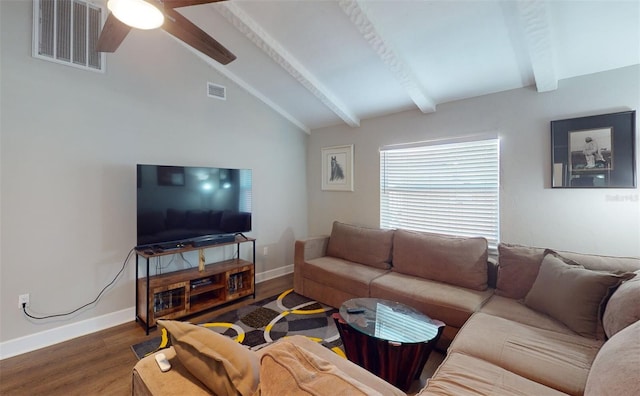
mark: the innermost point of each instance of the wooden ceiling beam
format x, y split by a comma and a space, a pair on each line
270, 46
537, 34
362, 18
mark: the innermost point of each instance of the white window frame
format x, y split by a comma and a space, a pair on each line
448, 186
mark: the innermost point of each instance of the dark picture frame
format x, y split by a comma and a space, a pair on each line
594, 152
170, 175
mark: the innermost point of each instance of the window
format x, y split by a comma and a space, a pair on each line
448, 188
245, 190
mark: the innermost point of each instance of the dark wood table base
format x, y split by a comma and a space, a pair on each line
397, 363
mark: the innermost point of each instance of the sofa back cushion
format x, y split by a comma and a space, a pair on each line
449, 259
604, 263
362, 245
517, 269
198, 219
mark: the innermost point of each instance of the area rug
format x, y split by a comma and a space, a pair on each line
263, 322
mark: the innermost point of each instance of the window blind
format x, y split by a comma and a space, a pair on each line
448, 188
246, 199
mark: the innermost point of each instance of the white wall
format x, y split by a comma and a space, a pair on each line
70, 142
603, 221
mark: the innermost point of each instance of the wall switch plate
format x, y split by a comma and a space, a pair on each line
23, 299
265, 250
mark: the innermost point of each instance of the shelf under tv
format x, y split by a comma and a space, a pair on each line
181, 293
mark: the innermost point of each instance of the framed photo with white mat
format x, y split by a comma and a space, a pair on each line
337, 168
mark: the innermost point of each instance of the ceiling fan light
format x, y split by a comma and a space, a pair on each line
136, 13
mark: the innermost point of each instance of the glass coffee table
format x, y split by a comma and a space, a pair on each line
390, 339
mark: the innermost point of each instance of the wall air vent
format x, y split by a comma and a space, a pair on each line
67, 32
216, 91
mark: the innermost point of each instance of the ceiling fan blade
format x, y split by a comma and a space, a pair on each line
186, 3
113, 32
197, 38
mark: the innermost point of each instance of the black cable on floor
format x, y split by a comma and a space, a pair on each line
124, 264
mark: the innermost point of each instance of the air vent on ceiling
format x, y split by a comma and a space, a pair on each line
216, 91
67, 32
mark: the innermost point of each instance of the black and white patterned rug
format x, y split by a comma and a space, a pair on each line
263, 322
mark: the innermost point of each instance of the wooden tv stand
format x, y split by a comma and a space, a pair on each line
184, 292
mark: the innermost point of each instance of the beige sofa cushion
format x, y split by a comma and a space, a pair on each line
623, 307
223, 365
286, 369
559, 361
517, 269
603, 263
367, 246
616, 369
448, 303
454, 260
516, 310
572, 294
462, 375
342, 274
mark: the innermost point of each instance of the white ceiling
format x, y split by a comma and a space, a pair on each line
322, 62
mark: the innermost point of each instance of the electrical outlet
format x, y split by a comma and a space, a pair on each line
265, 250
23, 299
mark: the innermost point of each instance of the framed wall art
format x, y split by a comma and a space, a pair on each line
594, 152
337, 168
170, 175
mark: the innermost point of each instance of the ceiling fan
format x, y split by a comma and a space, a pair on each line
115, 30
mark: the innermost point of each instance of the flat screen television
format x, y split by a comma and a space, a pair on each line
183, 205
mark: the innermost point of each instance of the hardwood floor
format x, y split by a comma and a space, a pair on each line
98, 363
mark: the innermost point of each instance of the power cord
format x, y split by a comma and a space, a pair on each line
185, 260
124, 264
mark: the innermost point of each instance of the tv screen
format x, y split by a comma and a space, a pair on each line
179, 205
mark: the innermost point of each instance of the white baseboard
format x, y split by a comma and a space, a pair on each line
274, 273
46, 338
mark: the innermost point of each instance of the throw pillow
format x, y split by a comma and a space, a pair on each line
368, 246
223, 365
623, 307
286, 369
517, 269
571, 294
616, 368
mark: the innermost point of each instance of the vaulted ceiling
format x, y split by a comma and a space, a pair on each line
325, 62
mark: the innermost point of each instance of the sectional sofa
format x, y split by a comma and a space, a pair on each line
536, 322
